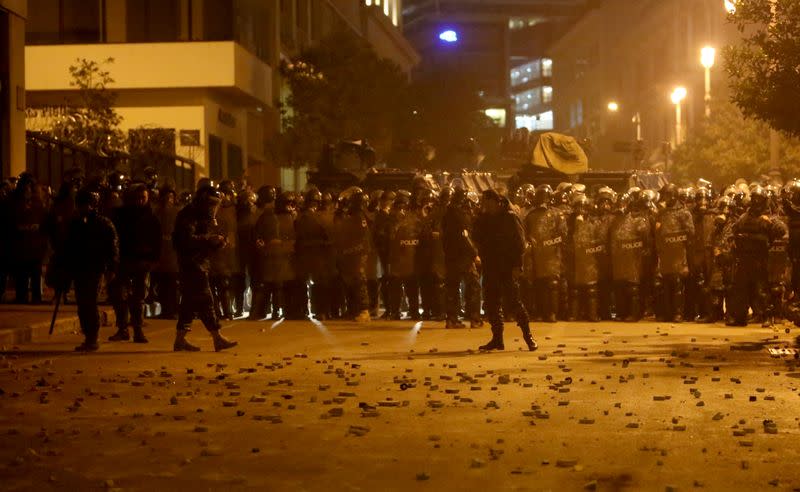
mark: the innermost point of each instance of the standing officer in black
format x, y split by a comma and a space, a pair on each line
753, 234
501, 242
461, 262
195, 245
140, 247
91, 250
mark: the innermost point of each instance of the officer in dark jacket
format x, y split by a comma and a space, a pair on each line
753, 233
91, 250
501, 241
28, 239
546, 233
195, 244
139, 247
461, 262
314, 253
674, 233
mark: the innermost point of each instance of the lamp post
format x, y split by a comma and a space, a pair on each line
707, 56
678, 95
637, 120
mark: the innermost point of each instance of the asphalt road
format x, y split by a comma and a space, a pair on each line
404, 406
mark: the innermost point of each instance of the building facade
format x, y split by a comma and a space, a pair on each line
12, 87
616, 68
206, 71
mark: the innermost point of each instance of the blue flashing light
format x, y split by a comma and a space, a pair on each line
449, 36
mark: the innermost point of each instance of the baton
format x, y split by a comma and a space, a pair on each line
59, 295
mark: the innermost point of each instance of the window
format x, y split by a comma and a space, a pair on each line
235, 168
214, 157
217, 20
153, 20
252, 27
63, 22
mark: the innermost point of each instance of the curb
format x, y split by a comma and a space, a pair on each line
39, 331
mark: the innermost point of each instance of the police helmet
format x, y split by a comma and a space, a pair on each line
543, 195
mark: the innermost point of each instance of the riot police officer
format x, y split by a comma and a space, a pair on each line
430, 258
461, 262
195, 243
604, 214
91, 249
165, 274
225, 261
314, 251
274, 234
352, 243
753, 233
674, 233
546, 232
584, 246
404, 239
629, 239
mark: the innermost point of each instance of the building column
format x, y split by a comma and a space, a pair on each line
13, 157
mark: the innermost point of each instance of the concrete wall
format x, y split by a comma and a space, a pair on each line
155, 66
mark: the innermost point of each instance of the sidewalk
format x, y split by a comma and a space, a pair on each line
21, 323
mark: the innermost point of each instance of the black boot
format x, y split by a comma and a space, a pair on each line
574, 306
496, 343
181, 344
258, 306
222, 343
552, 302
528, 337
138, 335
634, 304
122, 335
592, 305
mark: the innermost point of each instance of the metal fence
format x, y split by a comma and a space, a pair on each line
48, 158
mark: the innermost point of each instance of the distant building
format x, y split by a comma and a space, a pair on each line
205, 70
614, 71
490, 41
12, 87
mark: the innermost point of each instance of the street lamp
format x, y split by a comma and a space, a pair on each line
678, 95
707, 56
613, 106
730, 6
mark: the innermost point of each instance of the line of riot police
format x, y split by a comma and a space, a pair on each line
675, 254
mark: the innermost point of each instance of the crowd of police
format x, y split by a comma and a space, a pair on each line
676, 254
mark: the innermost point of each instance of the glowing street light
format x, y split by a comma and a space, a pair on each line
613, 106
677, 96
449, 36
707, 56
730, 6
